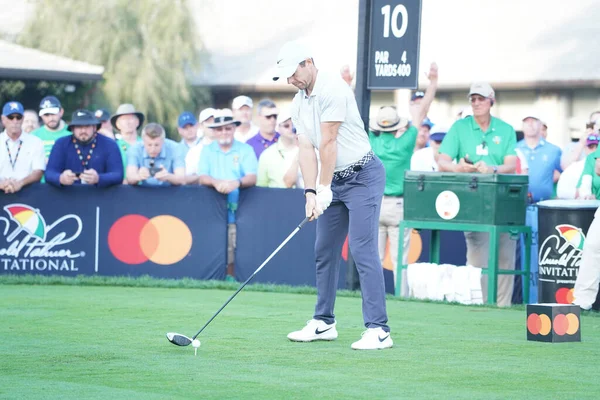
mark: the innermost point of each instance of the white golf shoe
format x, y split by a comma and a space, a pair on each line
373, 339
314, 330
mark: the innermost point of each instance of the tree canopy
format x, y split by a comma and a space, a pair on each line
145, 46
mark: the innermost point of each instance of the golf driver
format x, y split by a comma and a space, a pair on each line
182, 340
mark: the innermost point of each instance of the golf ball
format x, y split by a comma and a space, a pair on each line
196, 343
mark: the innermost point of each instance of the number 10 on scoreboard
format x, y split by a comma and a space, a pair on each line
394, 41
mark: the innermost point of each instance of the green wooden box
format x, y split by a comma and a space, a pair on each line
490, 199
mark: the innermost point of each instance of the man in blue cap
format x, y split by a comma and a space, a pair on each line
424, 159
85, 157
187, 126
22, 159
423, 136
54, 127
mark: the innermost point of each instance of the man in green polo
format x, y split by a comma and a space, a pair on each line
393, 141
54, 127
483, 144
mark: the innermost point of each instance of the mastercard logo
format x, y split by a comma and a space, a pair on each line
564, 295
135, 239
540, 324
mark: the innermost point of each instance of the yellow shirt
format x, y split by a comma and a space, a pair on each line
273, 164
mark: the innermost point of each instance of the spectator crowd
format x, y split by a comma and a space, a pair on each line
225, 150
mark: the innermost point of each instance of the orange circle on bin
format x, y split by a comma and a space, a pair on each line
545, 324
561, 324
135, 239
573, 324
534, 324
570, 296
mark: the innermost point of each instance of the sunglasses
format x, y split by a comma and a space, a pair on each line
15, 116
286, 126
274, 116
476, 99
593, 137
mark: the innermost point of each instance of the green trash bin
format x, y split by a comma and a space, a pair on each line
490, 199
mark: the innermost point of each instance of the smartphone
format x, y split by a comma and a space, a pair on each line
78, 174
153, 170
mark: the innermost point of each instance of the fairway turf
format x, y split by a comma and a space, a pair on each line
94, 342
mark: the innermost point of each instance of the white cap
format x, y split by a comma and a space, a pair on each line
206, 114
532, 114
466, 112
283, 116
223, 112
241, 101
439, 128
291, 54
483, 89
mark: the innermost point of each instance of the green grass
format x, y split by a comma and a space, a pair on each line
95, 340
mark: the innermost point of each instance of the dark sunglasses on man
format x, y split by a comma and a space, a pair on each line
18, 117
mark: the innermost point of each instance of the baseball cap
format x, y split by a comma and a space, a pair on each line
427, 122
291, 54
417, 95
466, 112
206, 114
283, 116
49, 105
12, 107
438, 132
241, 101
483, 89
532, 114
592, 139
102, 114
186, 118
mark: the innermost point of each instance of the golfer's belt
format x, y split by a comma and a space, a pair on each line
354, 168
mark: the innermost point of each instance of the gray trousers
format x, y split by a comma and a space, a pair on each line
354, 211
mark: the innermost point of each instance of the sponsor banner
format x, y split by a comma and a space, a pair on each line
561, 236
265, 217
170, 233
37, 238
120, 231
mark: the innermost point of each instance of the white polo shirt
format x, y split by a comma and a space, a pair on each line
332, 100
26, 159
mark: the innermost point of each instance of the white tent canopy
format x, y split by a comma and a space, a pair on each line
18, 62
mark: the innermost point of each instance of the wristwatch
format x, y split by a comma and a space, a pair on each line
495, 168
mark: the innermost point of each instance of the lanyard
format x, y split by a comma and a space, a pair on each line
84, 160
13, 162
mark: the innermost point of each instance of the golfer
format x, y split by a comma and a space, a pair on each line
347, 198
